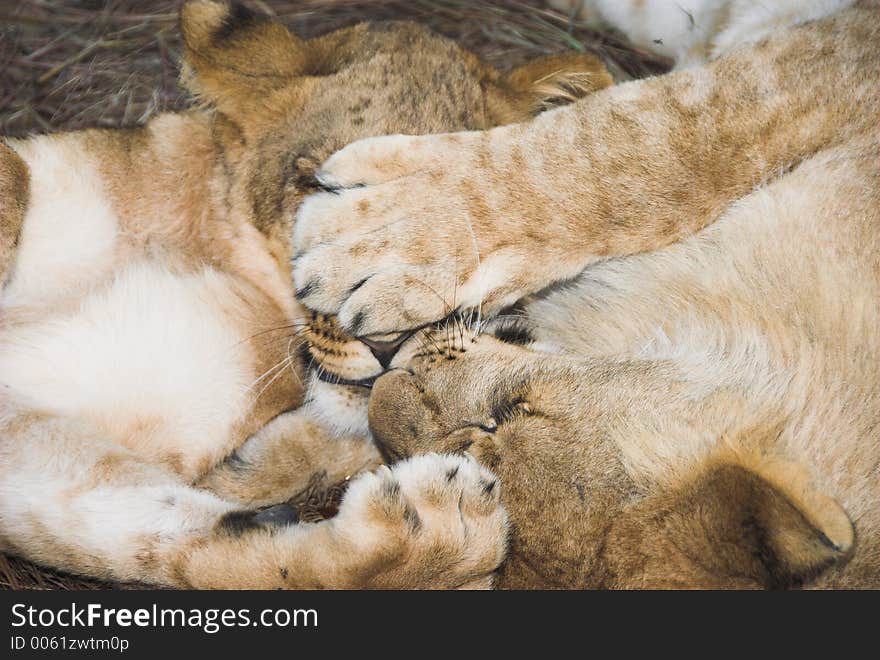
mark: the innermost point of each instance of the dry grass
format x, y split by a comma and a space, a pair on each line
114, 63
71, 64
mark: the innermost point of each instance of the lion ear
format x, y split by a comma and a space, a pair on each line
545, 83
767, 524
234, 57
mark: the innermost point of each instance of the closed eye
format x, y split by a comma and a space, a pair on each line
488, 425
511, 409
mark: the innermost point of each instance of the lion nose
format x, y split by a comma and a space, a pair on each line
384, 351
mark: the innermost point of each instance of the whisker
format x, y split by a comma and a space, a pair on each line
301, 326
277, 344
430, 336
280, 372
265, 374
279, 365
447, 310
480, 281
290, 359
423, 346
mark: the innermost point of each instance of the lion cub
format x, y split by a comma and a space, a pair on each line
150, 341
696, 261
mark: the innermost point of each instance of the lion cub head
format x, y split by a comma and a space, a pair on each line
284, 104
584, 512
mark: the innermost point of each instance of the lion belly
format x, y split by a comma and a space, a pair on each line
155, 357
149, 359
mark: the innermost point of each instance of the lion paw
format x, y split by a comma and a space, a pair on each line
434, 521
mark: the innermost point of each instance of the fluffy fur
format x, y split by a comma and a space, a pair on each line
150, 371
700, 250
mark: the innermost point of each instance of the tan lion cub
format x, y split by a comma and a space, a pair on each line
148, 326
698, 405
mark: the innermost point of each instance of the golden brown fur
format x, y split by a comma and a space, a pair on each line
150, 370
13, 201
728, 507
695, 404
663, 157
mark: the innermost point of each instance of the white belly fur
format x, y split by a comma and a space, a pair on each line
70, 231
152, 358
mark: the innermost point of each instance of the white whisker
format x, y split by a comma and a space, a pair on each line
278, 374
480, 281
268, 372
290, 358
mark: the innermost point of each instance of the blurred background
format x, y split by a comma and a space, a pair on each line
67, 64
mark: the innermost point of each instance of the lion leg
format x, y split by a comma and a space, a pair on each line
432, 522
73, 501
279, 462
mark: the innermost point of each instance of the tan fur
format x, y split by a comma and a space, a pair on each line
745, 512
13, 201
546, 83
275, 461
663, 157
701, 410
150, 369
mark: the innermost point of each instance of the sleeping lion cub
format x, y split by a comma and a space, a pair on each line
149, 337
696, 257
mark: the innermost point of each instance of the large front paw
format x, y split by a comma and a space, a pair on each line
434, 521
415, 228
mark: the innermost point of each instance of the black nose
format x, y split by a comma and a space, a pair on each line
384, 351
